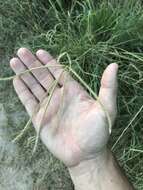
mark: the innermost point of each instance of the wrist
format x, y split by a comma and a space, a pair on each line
100, 173
86, 171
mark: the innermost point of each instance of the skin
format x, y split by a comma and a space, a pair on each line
74, 126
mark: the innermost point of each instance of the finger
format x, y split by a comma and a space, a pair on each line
26, 97
29, 80
42, 74
108, 89
55, 68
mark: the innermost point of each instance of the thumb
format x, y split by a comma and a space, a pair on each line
108, 89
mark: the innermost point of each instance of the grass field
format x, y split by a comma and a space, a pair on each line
93, 35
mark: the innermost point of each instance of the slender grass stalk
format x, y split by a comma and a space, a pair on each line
127, 127
22, 132
8, 78
88, 88
54, 129
27, 71
96, 97
55, 83
26, 127
136, 150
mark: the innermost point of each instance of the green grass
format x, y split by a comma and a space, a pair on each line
93, 35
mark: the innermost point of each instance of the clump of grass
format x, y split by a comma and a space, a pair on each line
94, 34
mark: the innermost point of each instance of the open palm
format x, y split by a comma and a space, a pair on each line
74, 126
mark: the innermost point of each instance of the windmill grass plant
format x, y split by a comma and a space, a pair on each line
85, 36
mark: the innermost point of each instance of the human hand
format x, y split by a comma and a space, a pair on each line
74, 127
